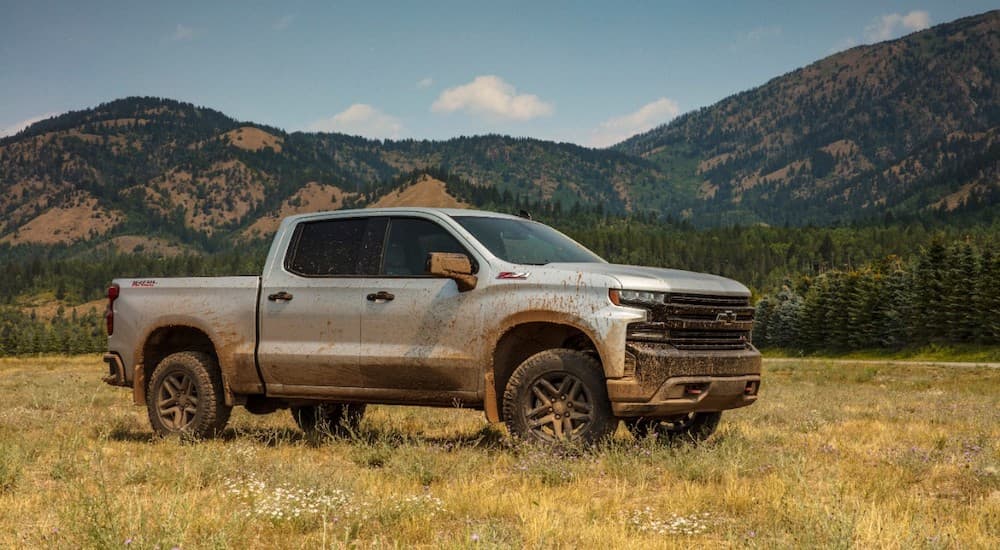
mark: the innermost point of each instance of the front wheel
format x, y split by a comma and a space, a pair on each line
558, 395
691, 426
185, 396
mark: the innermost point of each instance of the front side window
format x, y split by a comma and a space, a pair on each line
525, 242
326, 248
409, 242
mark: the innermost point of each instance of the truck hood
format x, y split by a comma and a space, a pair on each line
657, 279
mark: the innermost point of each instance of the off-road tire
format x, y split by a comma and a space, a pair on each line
185, 396
693, 427
562, 382
329, 418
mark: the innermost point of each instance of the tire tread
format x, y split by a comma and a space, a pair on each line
578, 363
204, 369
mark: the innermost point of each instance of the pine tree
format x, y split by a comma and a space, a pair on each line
784, 323
988, 322
930, 273
762, 318
896, 297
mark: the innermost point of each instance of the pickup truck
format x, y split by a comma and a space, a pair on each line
437, 307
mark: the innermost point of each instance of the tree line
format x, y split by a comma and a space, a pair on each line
819, 288
24, 334
947, 294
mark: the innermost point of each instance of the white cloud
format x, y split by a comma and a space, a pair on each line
649, 116
490, 96
917, 20
283, 22
425, 83
18, 126
892, 24
182, 32
360, 119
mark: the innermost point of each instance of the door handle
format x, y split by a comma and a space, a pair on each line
284, 296
380, 295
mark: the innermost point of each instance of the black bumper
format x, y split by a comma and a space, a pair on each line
668, 381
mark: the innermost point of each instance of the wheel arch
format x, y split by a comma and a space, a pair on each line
164, 340
524, 336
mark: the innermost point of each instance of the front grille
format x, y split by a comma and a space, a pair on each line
703, 300
698, 322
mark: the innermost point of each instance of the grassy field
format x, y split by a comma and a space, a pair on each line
831, 456
969, 353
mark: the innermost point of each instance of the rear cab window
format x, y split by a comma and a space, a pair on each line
335, 247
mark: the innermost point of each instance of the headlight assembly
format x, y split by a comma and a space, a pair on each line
641, 298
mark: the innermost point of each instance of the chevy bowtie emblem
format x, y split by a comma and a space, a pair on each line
727, 317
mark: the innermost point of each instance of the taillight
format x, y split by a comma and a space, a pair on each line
109, 315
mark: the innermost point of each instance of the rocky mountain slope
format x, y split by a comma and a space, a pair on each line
146, 164
902, 126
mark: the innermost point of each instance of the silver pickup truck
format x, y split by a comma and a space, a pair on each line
437, 307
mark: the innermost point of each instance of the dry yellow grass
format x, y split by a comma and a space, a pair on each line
312, 197
45, 306
222, 195
67, 224
958, 198
135, 244
831, 456
425, 192
253, 139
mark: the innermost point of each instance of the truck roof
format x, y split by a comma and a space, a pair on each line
450, 212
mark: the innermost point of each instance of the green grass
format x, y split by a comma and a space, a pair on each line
967, 353
833, 455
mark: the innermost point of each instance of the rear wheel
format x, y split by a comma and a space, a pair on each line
329, 418
691, 426
558, 395
185, 396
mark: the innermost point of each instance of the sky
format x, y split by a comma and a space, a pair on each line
591, 73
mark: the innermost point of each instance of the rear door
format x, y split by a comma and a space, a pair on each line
311, 305
417, 331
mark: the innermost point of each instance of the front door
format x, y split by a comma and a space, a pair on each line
418, 332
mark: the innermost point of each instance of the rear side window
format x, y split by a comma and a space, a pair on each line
327, 248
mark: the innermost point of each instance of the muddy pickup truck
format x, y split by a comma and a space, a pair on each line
437, 307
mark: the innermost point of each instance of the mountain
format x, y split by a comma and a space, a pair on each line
899, 127
141, 165
905, 128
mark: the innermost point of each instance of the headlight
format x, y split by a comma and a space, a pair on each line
636, 297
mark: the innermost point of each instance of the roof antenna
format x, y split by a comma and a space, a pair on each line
524, 214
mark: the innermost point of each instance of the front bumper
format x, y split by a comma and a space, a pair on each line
668, 381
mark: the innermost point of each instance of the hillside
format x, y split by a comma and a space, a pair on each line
901, 127
147, 165
907, 128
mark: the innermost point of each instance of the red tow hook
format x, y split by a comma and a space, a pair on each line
694, 390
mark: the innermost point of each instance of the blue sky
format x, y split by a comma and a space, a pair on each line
589, 73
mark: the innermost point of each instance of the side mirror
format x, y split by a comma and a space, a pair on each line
453, 266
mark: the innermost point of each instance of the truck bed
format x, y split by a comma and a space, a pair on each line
223, 308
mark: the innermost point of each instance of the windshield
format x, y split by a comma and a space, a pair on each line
525, 241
